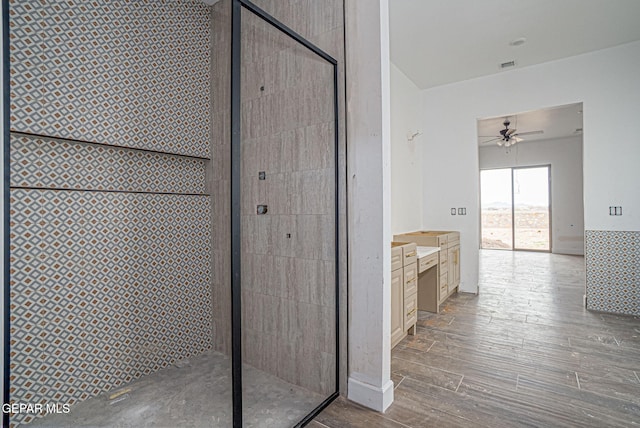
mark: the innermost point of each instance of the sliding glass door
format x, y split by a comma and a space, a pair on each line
516, 208
496, 209
531, 209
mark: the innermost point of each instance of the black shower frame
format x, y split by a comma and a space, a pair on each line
236, 233
6, 209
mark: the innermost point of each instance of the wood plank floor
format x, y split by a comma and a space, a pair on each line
523, 353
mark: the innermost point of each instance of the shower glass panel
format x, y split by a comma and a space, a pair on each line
288, 226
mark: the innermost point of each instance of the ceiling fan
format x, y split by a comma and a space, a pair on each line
508, 136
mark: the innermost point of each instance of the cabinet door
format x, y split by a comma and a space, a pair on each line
397, 306
454, 267
457, 265
396, 258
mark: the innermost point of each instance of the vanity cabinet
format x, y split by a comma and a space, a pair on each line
397, 319
404, 290
447, 276
453, 261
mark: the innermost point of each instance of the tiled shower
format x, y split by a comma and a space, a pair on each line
120, 260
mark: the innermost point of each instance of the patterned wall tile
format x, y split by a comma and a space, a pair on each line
25, 260
613, 271
131, 73
26, 64
58, 164
106, 287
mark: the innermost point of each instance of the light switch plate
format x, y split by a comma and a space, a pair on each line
615, 210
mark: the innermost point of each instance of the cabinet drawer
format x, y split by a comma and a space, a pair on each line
453, 242
411, 279
396, 258
444, 267
444, 285
442, 241
427, 262
410, 253
410, 311
444, 289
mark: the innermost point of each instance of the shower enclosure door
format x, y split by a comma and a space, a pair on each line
288, 223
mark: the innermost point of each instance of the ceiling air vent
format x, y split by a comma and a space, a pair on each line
578, 131
508, 64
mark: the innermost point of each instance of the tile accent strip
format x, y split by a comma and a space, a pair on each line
105, 288
47, 163
612, 260
123, 72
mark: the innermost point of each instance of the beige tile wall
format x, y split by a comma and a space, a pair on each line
218, 174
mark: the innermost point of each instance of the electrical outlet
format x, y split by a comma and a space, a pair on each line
462, 211
615, 210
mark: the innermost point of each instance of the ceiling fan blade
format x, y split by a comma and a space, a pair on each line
489, 136
530, 133
510, 131
491, 141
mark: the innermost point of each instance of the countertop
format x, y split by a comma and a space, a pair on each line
427, 251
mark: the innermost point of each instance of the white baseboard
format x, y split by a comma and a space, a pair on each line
370, 396
568, 251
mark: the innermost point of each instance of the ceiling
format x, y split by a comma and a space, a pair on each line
556, 122
436, 42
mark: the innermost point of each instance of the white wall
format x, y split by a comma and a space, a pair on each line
567, 208
369, 185
608, 84
406, 156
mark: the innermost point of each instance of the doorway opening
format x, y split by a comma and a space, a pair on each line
531, 181
516, 208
